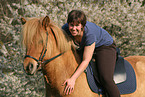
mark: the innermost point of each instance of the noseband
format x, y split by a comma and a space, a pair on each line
39, 62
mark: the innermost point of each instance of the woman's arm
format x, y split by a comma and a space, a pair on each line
87, 55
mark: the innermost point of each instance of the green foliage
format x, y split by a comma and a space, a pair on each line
123, 20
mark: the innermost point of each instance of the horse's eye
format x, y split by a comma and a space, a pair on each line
40, 42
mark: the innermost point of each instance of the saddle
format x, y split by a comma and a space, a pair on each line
124, 76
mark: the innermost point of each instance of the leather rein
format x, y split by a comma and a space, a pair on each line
40, 61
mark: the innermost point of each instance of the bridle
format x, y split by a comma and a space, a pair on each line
40, 61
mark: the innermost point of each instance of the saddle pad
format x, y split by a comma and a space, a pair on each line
126, 87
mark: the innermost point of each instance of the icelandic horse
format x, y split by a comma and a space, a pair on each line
49, 48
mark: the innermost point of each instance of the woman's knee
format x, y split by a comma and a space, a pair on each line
104, 80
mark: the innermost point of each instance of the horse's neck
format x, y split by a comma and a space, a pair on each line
61, 68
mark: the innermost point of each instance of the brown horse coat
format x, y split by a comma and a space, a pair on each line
61, 68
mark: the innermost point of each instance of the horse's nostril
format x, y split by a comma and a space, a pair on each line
30, 66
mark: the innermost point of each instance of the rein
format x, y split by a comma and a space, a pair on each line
39, 62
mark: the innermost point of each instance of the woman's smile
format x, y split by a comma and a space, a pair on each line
75, 29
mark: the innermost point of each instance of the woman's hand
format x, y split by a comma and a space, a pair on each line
69, 88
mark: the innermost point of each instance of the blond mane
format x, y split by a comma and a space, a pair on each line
34, 33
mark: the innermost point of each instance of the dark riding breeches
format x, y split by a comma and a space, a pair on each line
105, 57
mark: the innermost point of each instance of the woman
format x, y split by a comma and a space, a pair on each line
92, 39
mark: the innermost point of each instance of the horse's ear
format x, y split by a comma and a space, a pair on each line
45, 22
23, 20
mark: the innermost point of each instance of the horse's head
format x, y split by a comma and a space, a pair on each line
35, 37
42, 40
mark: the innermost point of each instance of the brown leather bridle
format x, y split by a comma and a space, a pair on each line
40, 61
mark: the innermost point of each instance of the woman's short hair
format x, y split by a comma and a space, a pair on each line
77, 16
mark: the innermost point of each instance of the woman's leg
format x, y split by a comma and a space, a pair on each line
105, 60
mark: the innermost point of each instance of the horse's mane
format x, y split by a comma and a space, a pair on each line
34, 33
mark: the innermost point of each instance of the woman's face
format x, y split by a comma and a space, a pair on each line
75, 29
